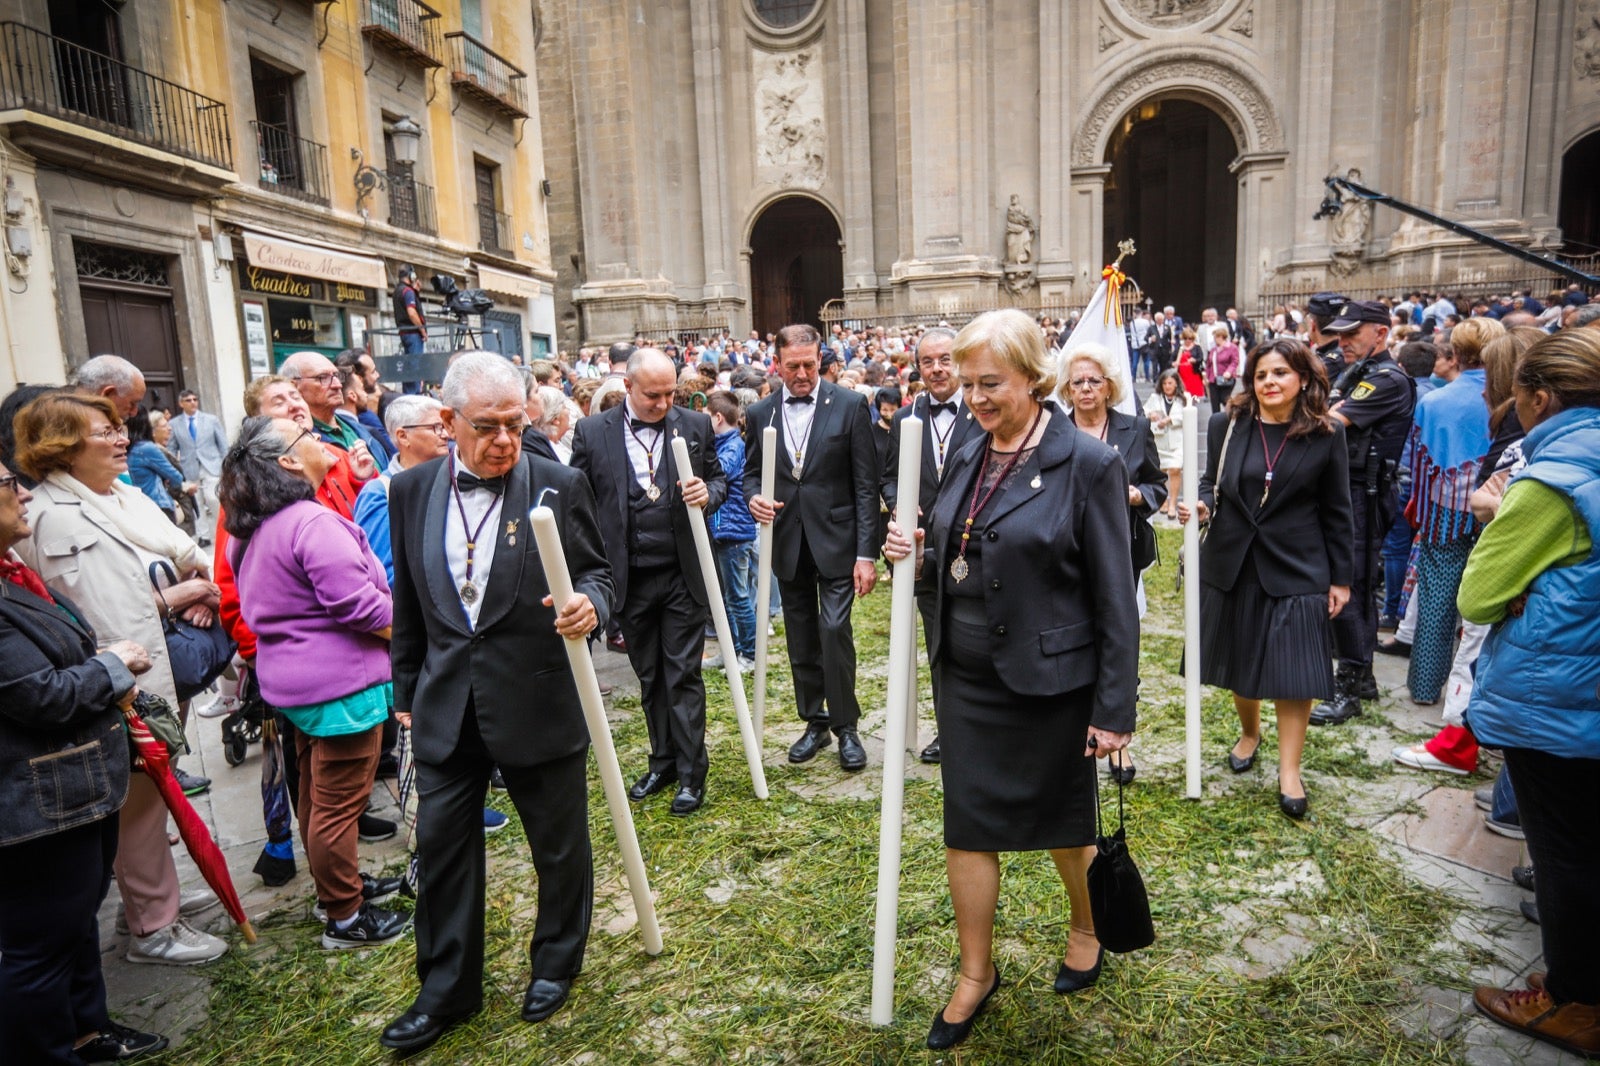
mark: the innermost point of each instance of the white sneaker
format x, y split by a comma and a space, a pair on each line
220, 707
1420, 758
179, 944
190, 903
711, 662
747, 663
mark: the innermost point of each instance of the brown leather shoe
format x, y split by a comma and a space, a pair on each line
1572, 1026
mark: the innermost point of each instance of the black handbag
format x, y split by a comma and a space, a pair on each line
197, 654
1145, 551
1117, 899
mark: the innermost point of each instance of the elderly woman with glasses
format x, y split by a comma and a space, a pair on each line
1090, 389
318, 603
95, 539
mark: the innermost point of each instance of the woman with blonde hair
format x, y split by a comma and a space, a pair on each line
1035, 642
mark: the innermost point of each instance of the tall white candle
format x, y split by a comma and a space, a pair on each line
902, 679
719, 618
769, 488
1191, 600
559, 579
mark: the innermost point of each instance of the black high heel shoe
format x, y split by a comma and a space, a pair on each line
1121, 772
1240, 766
1293, 807
945, 1034
1070, 980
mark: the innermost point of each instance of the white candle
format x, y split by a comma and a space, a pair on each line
1191, 600
719, 618
902, 682
559, 579
769, 488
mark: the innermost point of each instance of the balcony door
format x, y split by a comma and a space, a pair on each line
87, 53
277, 127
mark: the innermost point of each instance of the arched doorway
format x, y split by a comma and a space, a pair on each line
1579, 213
1170, 190
796, 264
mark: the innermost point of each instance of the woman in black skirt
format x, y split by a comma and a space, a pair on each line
1035, 645
1276, 564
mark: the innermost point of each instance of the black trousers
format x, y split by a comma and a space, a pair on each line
1218, 395
822, 647
52, 991
1355, 630
925, 609
666, 633
1557, 800
552, 800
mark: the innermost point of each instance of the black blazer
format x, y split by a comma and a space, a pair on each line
600, 453
1130, 435
63, 753
965, 428
536, 443
836, 500
1059, 583
1300, 541
514, 665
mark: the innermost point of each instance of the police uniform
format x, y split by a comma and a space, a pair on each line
1377, 398
1326, 306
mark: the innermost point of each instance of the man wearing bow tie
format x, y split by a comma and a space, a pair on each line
947, 424
481, 676
626, 453
824, 522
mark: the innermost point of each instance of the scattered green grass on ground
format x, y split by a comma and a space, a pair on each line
1276, 942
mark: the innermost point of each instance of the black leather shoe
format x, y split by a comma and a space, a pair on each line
852, 756
1530, 910
1396, 647
648, 785
1238, 765
1523, 876
414, 1030
1294, 808
814, 739
1070, 980
931, 754
1367, 685
544, 997
1345, 704
945, 1034
1122, 774
688, 800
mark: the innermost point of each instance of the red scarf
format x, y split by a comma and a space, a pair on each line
18, 574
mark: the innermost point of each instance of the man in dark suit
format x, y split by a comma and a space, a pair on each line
824, 523
947, 425
626, 453
481, 676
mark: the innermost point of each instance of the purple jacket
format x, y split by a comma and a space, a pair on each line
314, 595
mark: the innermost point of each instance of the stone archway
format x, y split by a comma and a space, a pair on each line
1579, 211
796, 263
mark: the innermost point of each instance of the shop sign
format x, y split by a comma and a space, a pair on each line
274, 283
339, 292
292, 257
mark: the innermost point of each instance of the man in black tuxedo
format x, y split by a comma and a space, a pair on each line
626, 453
947, 424
481, 677
824, 522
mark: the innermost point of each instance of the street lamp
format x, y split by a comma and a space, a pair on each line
405, 138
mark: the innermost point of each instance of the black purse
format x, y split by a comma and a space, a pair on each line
197, 654
1117, 898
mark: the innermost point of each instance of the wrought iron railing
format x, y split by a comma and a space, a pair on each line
411, 204
56, 77
409, 27
291, 165
494, 229
477, 71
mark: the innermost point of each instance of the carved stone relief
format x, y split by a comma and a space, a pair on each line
1586, 40
1019, 247
791, 133
1245, 24
1349, 230
1168, 14
1107, 37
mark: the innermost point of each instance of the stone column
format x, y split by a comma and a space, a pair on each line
855, 166
717, 232
1053, 249
1087, 226
1262, 223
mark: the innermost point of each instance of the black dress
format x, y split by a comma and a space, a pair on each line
1260, 646
1015, 774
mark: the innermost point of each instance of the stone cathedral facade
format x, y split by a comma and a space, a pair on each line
751, 162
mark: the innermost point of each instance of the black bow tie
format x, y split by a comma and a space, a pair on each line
948, 406
466, 482
800, 399
639, 423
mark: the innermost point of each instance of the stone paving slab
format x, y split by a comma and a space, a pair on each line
1450, 825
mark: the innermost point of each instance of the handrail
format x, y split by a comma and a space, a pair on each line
291, 165
494, 229
408, 26
411, 204
480, 72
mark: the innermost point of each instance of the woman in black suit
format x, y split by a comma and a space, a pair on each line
1089, 389
1035, 645
1276, 565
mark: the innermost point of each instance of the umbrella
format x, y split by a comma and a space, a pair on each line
276, 864
151, 756
408, 805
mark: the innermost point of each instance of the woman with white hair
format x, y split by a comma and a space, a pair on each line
556, 421
1089, 388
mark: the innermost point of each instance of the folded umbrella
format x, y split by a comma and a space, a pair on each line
276, 863
151, 756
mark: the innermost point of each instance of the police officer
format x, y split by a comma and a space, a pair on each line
1374, 399
1322, 309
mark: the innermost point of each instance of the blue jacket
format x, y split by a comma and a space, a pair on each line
371, 513
731, 523
1538, 678
152, 472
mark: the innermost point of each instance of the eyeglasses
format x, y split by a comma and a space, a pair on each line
943, 360
111, 434
1087, 383
436, 428
493, 430
8, 481
325, 379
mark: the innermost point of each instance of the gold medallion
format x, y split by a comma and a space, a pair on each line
958, 569
653, 492
469, 593
796, 471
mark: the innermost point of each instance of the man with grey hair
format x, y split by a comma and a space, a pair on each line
116, 379
1579, 317
481, 677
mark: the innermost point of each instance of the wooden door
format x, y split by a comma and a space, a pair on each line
140, 326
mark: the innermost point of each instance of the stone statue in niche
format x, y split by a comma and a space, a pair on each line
1351, 228
1019, 247
791, 138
